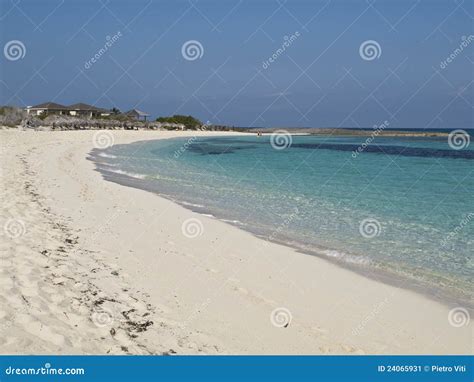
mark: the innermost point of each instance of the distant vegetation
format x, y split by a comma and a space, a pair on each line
115, 117
188, 121
43, 115
11, 116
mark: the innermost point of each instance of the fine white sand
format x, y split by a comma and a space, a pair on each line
90, 266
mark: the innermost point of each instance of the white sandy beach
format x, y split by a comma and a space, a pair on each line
93, 267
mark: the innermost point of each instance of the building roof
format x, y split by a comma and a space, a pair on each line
137, 112
85, 107
49, 105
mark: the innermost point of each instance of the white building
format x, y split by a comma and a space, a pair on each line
77, 110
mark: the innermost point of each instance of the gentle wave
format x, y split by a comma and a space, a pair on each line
130, 174
238, 222
346, 257
192, 204
105, 155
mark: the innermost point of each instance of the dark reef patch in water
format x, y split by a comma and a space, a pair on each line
391, 150
210, 149
221, 146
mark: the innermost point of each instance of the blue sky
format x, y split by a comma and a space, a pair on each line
320, 79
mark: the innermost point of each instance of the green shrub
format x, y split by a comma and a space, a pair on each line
188, 121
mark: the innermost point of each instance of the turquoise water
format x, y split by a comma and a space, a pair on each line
402, 206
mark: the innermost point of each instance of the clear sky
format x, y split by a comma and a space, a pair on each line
320, 78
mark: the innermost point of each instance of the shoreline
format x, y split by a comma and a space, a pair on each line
448, 296
218, 294
444, 296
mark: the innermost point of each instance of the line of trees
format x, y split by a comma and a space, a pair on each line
188, 121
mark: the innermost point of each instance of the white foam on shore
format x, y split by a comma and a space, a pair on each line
130, 174
191, 204
346, 257
238, 222
104, 155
